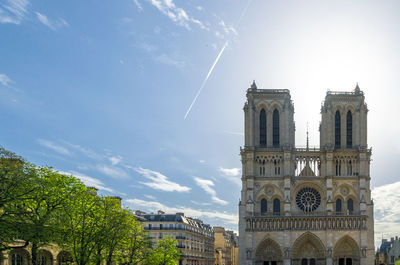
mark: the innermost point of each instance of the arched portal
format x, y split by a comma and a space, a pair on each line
346, 252
64, 258
308, 250
19, 257
44, 258
268, 252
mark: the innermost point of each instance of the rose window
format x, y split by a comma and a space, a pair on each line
308, 199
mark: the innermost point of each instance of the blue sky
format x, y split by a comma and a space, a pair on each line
100, 89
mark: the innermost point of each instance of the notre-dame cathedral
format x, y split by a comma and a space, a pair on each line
305, 206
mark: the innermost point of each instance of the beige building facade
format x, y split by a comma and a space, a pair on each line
226, 247
305, 206
195, 238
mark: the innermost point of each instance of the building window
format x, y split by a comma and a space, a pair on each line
263, 206
349, 261
337, 129
338, 205
350, 205
16, 259
338, 168
349, 130
263, 128
275, 129
277, 205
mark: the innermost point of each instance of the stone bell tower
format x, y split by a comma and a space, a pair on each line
305, 206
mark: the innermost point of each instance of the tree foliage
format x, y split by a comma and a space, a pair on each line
39, 206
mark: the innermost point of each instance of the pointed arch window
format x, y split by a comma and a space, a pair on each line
263, 128
263, 206
337, 129
350, 206
277, 206
349, 130
338, 205
275, 128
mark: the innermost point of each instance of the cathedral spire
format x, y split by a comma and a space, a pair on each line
357, 89
307, 138
253, 86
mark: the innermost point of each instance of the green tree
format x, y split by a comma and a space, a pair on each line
16, 185
165, 253
81, 225
114, 225
45, 205
136, 245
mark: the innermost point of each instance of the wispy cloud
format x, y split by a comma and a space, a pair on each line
150, 197
84, 150
176, 14
5, 80
173, 59
112, 171
53, 146
53, 24
234, 133
160, 182
138, 5
207, 185
153, 206
387, 210
231, 174
201, 203
115, 160
13, 11
89, 181
168, 60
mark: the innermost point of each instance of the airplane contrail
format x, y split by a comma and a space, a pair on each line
216, 61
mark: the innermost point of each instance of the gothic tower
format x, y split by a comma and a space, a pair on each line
305, 206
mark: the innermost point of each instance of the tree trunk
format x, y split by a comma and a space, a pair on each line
98, 262
34, 251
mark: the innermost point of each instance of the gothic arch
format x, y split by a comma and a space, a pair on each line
262, 105
64, 258
276, 105
268, 250
45, 257
308, 246
264, 191
19, 257
346, 248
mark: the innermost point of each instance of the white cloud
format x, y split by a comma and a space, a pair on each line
53, 146
150, 197
176, 14
89, 181
115, 160
13, 11
138, 5
113, 172
201, 203
207, 185
231, 174
86, 151
202, 161
52, 24
159, 181
5, 80
387, 210
153, 206
168, 60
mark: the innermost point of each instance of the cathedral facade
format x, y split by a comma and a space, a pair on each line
305, 206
